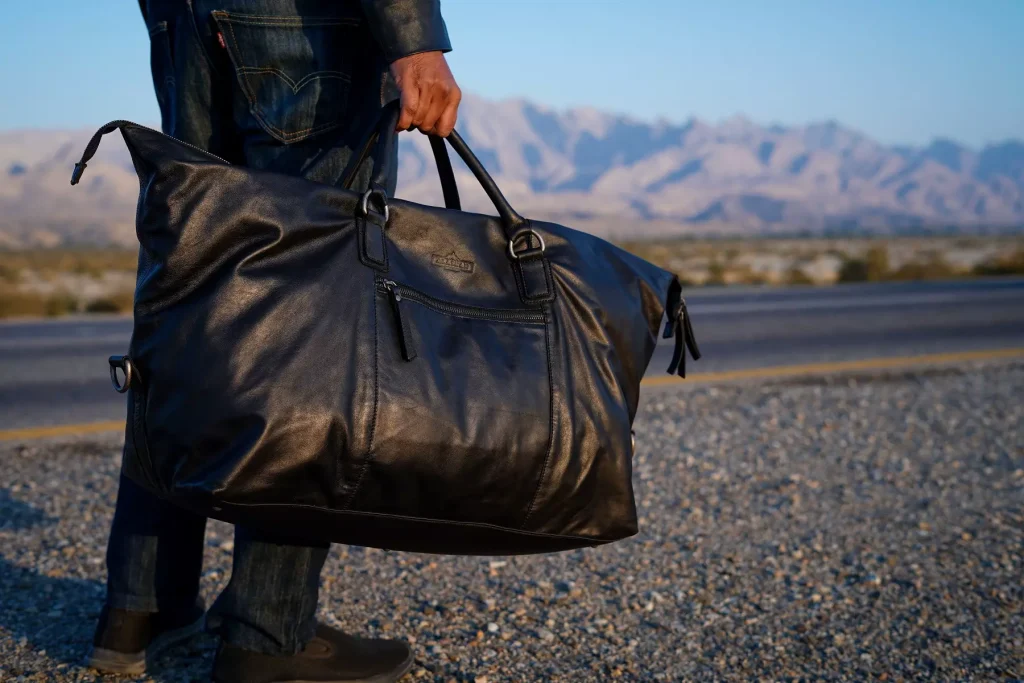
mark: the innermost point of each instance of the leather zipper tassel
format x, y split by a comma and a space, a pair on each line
685, 340
404, 333
691, 340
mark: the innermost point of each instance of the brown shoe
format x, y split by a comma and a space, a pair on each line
331, 657
126, 641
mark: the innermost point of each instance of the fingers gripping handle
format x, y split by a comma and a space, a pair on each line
383, 140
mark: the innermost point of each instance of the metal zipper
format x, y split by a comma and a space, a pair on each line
180, 142
400, 292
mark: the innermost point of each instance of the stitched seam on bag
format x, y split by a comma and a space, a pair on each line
551, 426
139, 429
376, 395
364, 257
549, 295
591, 540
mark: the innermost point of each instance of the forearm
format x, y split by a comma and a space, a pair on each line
407, 27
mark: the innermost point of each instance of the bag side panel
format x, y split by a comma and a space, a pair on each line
253, 332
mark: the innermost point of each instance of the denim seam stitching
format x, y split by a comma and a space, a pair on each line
293, 646
293, 134
199, 39
296, 86
255, 107
248, 86
246, 20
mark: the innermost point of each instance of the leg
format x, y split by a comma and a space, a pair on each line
269, 605
154, 554
154, 557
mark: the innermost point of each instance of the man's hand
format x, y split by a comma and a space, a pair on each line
430, 96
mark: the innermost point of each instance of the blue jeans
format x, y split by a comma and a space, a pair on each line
285, 85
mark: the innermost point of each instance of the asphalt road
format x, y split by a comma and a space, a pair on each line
54, 372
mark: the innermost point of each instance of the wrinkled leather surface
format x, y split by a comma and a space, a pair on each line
272, 385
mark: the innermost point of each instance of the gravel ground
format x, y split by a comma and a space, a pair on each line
840, 529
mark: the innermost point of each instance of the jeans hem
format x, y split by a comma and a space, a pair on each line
133, 603
240, 635
152, 605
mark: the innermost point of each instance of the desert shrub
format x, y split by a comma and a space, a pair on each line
9, 273
116, 303
85, 261
877, 260
853, 270
60, 304
716, 273
872, 268
796, 276
14, 303
102, 305
934, 268
757, 279
1007, 265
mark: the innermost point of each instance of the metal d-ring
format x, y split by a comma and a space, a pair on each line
519, 235
364, 203
125, 363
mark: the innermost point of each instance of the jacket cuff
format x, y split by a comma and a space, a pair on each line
406, 27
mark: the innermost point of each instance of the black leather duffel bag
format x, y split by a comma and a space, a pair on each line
360, 369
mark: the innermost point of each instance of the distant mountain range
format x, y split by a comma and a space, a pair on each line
609, 174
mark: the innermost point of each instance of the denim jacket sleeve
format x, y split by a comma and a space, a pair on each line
405, 27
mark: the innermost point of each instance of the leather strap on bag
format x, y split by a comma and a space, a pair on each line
531, 266
94, 144
381, 140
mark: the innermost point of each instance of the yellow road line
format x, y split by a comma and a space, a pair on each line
729, 375
839, 366
61, 430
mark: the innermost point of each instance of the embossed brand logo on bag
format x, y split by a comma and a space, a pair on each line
453, 262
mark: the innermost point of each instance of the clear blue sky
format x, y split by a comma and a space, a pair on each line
903, 71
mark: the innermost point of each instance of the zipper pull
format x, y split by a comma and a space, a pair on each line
685, 340
691, 340
404, 332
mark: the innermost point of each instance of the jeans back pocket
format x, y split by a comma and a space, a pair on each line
295, 71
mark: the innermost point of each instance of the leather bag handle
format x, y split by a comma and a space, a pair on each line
383, 140
377, 141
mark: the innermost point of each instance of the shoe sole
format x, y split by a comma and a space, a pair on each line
389, 677
134, 663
